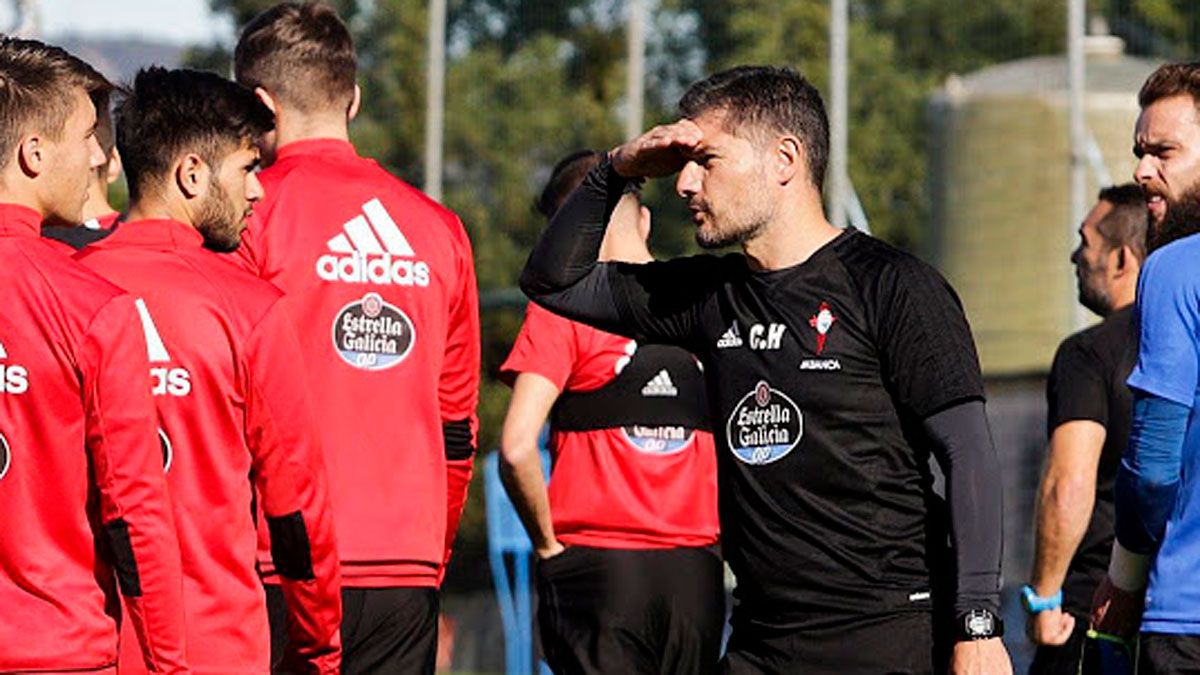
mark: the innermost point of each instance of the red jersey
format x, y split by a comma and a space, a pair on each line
232, 405
381, 285
619, 487
80, 468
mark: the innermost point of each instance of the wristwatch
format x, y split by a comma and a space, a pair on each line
979, 624
1036, 604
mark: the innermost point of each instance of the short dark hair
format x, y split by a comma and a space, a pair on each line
564, 178
169, 112
106, 132
766, 99
1126, 224
36, 82
300, 52
1171, 79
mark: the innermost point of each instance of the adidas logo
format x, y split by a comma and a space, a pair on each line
731, 338
165, 380
660, 385
372, 250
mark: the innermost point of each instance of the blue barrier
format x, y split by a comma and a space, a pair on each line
507, 541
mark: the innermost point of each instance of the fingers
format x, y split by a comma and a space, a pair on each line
1051, 627
1101, 599
1062, 630
685, 133
660, 151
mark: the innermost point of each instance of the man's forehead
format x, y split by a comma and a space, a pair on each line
717, 127
83, 105
710, 116
1167, 117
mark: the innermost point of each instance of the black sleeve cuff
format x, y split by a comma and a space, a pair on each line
457, 437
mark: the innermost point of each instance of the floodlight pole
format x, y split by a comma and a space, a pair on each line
838, 174
1076, 74
436, 104
636, 75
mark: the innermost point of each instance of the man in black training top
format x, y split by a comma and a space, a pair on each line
835, 365
1089, 408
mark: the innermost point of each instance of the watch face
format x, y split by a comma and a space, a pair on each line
979, 623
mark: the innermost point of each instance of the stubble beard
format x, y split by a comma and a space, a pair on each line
219, 222
1094, 299
722, 232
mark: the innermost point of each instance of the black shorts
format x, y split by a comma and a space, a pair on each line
899, 643
631, 611
1164, 654
384, 630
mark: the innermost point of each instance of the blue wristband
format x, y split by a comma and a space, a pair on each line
1036, 604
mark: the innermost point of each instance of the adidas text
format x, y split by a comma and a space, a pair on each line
13, 379
173, 381
383, 269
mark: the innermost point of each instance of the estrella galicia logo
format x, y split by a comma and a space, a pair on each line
764, 426
5, 456
373, 335
168, 452
663, 440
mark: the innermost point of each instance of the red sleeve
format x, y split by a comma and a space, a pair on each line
458, 391
289, 472
546, 345
134, 509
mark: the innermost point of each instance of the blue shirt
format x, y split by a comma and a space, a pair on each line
1168, 314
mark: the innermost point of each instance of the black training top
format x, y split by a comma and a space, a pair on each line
1087, 382
821, 378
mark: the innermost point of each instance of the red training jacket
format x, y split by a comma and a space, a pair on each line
609, 489
80, 469
232, 405
381, 285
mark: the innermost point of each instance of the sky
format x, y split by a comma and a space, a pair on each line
178, 21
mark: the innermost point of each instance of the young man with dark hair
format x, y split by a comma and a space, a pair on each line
1151, 579
1089, 408
629, 579
238, 431
80, 478
854, 362
381, 282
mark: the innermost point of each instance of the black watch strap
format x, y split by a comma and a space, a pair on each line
979, 624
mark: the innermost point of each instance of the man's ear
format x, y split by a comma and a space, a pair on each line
789, 159
192, 175
31, 155
1127, 262
267, 100
114, 167
352, 111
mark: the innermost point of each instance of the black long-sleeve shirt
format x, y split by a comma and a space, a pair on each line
830, 383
